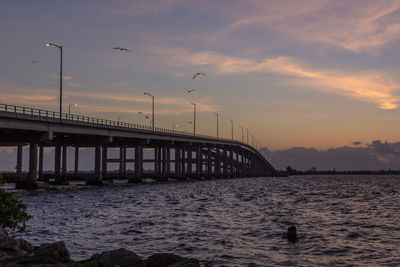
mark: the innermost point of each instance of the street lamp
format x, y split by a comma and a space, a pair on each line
247, 130
216, 114
174, 127
241, 127
59, 47
146, 116
71, 105
119, 117
232, 128
152, 120
194, 118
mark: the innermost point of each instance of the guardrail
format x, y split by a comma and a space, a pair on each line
79, 118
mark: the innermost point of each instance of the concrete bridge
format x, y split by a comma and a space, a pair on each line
176, 154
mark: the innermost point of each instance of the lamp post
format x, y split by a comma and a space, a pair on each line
241, 127
119, 117
194, 118
232, 128
152, 116
174, 127
59, 47
146, 117
247, 130
69, 107
216, 114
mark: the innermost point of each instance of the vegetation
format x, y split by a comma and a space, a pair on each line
13, 213
312, 171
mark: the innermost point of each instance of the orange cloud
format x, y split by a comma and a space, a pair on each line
372, 86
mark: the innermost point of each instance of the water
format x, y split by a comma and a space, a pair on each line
341, 221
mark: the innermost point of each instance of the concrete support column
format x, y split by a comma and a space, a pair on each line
177, 162
168, 160
122, 160
57, 163
209, 162
97, 167
232, 163
64, 160
199, 162
104, 158
76, 165
183, 162
164, 160
19, 160
40, 174
189, 160
138, 161
159, 160
225, 161
217, 165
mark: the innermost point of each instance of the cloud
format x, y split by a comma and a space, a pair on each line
356, 143
372, 86
65, 77
358, 26
110, 102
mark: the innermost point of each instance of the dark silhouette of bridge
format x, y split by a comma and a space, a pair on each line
177, 154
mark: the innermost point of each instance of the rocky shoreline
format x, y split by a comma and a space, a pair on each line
19, 252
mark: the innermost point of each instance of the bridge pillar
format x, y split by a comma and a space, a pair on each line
177, 160
231, 163
168, 160
104, 161
199, 162
217, 165
138, 164
30, 181
58, 178
183, 162
225, 162
40, 174
97, 180
122, 163
76, 165
19, 160
64, 160
189, 162
209, 162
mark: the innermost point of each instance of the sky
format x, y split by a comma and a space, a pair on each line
308, 73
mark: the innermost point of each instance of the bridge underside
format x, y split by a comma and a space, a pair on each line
174, 156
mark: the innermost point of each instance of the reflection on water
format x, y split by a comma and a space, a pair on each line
341, 221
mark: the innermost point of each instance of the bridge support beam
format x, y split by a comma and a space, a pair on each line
40, 173
19, 160
30, 181
58, 177
76, 165
64, 160
189, 161
104, 161
122, 162
199, 162
138, 165
97, 179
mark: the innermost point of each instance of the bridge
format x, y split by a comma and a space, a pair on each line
177, 154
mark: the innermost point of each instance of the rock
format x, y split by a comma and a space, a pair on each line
120, 257
56, 251
10, 245
291, 234
186, 263
25, 246
3, 235
162, 260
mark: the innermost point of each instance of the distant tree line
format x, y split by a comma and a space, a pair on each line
313, 171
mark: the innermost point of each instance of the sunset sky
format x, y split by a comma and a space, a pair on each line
295, 73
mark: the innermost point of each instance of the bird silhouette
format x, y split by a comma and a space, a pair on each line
33, 61
197, 74
189, 90
121, 48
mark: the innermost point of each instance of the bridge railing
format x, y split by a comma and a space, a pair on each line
67, 117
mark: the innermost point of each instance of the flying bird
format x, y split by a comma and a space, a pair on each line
121, 48
189, 90
33, 61
197, 74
